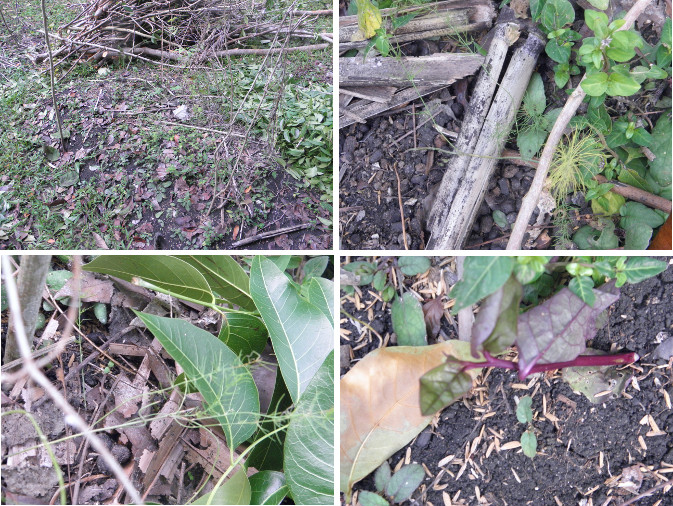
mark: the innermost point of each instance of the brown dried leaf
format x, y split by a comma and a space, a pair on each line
380, 404
433, 310
93, 289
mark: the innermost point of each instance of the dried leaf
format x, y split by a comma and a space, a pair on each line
380, 405
433, 310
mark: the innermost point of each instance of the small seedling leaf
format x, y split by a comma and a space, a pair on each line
379, 281
410, 266
500, 219
408, 321
51, 153
524, 412
367, 498
100, 311
582, 286
660, 167
529, 444
382, 476
403, 483
638, 269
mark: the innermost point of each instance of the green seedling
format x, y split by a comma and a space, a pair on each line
398, 487
524, 414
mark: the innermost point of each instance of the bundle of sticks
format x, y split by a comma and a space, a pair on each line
166, 28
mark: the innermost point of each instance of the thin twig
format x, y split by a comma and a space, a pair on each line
51, 75
399, 200
71, 416
530, 201
648, 492
272, 233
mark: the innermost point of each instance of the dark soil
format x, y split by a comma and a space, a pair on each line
586, 452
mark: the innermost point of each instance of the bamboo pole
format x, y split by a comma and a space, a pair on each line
451, 232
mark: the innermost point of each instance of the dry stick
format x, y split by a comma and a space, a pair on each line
648, 492
453, 225
272, 233
623, 189
529, 202
71, 416
51, 74
473, 121
399, 200
228, 52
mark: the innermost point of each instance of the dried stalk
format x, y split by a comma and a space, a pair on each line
51, 74
530, 201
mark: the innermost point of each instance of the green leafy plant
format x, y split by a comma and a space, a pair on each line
548, 335
524, 413
533, 124
260, 301
398, 486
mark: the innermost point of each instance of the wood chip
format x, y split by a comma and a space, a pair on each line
516, 476
641, 441
511, 445
446, 460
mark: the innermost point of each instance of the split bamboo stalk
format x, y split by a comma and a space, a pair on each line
451, 232
505, 35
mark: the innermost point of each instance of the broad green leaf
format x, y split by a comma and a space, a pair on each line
164, 273
596, 21
556, 14
524, 412
236, 490
638, 269
363, 269
600, 4
535, 100
620, 85
596, 84
404, 482
100, 310
309, 444
412, 265
408, 322
225, 277
638, 237
530, 141
244, 334
51, 153
379, 281
57, 279
225, 383
561, 74
660, 167
482, 276
315, 266
320, 293
635, 212
267, 487
442, 386
558, 53
529, 443
380, 405
301, 334
582, 286
382, 476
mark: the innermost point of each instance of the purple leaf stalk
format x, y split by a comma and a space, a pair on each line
579, 361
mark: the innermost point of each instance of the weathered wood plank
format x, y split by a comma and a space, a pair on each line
439, 69
381, 94
434, 20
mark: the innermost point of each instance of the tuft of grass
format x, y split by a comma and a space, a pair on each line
575, 162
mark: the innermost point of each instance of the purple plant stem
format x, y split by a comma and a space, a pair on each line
580, 361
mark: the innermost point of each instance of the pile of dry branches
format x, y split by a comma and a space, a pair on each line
179, 30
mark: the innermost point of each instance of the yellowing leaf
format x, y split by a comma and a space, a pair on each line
380, 404
369, 20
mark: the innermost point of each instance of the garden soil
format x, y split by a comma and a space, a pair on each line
588, 454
